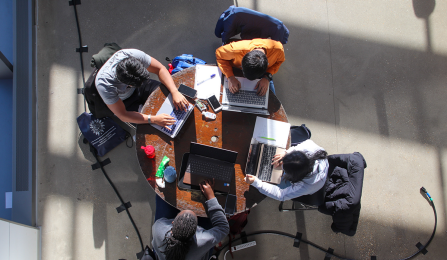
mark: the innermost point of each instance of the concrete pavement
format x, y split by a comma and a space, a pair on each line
366, 76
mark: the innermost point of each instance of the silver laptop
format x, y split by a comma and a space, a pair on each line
259, 162
246, 100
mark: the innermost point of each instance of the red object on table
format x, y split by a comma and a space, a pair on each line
149, 150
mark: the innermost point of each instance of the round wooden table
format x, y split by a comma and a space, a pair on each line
231, 131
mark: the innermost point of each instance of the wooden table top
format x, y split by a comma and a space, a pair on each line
232, 130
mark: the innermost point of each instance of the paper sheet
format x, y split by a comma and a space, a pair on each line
271, 129
209, 87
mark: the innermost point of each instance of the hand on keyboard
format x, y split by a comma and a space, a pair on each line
180, 101
262, 86
163, 120
249, 178
277, 159
207, 187
234, 84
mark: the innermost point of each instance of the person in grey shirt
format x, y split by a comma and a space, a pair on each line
186, 236
121, 75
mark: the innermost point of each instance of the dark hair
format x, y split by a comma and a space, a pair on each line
178, 242
254, 64
131, 71
297, 165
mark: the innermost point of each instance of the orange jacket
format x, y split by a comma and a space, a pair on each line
230, 55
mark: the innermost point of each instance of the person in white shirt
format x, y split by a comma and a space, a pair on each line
305, 170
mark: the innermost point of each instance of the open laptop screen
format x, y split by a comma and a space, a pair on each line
213, 152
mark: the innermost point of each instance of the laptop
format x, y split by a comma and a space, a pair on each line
180, 117
259, 162
207, 162
246, 100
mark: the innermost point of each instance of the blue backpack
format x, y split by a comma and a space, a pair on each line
182, 62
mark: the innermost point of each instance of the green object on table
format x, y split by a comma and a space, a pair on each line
162, 167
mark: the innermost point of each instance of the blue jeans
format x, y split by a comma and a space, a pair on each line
272, 87
164, 210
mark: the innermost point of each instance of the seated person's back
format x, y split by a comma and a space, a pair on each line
258, 59
182, 237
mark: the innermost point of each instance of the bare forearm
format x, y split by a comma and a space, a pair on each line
133, 117
167, 80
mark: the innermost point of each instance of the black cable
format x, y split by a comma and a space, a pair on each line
94, 151
80, 52
432, 204
119, 196
274, 232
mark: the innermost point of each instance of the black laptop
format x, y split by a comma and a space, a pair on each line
207, 162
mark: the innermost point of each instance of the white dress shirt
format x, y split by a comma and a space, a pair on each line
309, 185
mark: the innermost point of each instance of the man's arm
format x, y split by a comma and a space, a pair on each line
156, 67
119, 109
220, 228
224, 56
279, 60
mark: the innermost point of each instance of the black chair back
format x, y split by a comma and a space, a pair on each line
316, 199
299, 134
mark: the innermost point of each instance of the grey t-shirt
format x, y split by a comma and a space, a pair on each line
204, 240
109, 88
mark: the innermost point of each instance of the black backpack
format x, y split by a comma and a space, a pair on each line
95, 103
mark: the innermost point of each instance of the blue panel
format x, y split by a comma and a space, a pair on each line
5, 144
22, 138
6, 29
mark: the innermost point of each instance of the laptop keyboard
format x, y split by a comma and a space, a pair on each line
245, 97
266, 167
209, 170
178, 115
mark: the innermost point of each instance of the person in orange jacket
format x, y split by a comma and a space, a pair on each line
258, 59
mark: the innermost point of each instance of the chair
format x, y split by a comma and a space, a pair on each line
308, 202
341, 194
249, 24
298, 135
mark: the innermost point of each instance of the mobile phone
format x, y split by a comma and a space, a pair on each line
214, 103
230, 204
187, 91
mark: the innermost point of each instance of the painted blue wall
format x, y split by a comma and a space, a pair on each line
6, 39
6, 47
5, 144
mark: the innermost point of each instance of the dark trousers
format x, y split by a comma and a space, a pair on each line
164, 210
140, 95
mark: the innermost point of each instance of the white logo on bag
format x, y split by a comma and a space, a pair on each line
97, 126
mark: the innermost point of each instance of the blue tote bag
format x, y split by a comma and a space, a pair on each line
103, 133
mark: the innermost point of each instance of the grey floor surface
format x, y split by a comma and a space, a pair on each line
366, 76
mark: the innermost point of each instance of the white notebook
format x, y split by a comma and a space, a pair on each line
180, 115
272, 132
